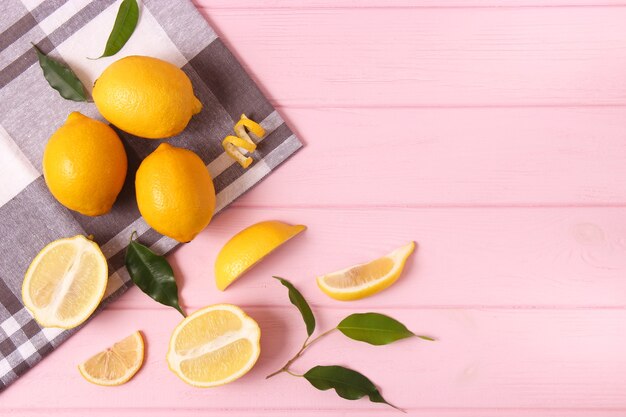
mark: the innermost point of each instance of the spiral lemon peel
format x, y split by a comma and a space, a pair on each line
235, 145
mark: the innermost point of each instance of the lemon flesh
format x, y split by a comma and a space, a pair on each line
84, 165
367, 279
65, 282
175, 192
214, 346
146, 97
248, 247
117, 364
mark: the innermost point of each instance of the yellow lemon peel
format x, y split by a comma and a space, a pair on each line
233, 145
249, 247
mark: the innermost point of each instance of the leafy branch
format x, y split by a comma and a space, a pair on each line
373, 328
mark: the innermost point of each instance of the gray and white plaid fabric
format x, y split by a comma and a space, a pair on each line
71, 30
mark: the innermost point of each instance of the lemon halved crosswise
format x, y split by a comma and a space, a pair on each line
214, 346
117, 364
65, 282
363, 280
248, 247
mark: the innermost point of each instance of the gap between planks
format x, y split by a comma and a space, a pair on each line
256, 411
460, 206
471, 307
294, 105
400, 4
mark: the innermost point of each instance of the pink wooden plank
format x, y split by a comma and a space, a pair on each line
439, 56
433, 157
423, 412
379, 174
356, 4
521, 358
547, 258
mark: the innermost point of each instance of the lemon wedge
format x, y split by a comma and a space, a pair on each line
117, 364
363, 280
214, 346
65, 282
248, 247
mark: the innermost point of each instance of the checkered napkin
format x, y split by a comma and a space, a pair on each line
71, 30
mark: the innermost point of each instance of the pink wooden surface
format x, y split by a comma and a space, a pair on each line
492, 133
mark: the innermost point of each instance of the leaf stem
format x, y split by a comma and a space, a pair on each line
396, 407
307, 342
180, 310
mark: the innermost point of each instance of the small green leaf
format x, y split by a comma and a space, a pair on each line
373, 328
298, 300
348, 384
152, 274
123, 28
61, 78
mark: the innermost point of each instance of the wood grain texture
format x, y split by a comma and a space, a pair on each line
492, 133
450, 157
359, 4
432, 57
564, 357
470, 258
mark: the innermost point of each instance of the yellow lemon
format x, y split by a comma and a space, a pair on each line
84, 165
367, 279
214, 346
146, 97
175, 192
65, 282
115, 365
248, 247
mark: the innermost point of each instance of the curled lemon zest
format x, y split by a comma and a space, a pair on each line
233, 145
242, 143
251, 125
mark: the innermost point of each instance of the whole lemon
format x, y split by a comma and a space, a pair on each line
175, 192
84, 165
146, 97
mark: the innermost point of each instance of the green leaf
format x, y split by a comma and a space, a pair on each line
123, 28
298, 300
61, 78
373, 328
152, 274
348, 384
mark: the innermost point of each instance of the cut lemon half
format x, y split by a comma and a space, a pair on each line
65, 282
214, 346
248, 247
117, 364
363, 280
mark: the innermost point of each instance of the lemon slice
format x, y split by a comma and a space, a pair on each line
214, 346
363, 280
248, 247
65, 282
117, 364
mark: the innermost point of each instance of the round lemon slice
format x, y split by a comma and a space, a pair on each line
248, 247
65, 282
363, 280
214, 346
117, 364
